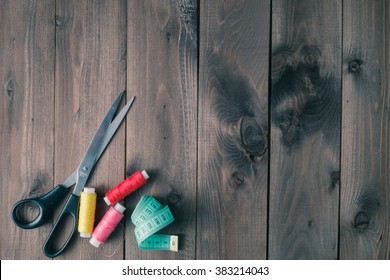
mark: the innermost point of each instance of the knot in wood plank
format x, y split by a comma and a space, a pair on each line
238, 179
61, 21
10, 88
311, 56
291, 126
173, 198
252, 136
335, 179
361, 221
355, 65
311, 60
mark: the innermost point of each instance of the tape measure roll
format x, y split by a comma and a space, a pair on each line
160, 242
149, 217
145, 209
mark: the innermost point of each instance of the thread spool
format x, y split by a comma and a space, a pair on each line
107, 225
123, 189
87, 210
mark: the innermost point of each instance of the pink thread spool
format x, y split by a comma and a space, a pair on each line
107, 225
123, 189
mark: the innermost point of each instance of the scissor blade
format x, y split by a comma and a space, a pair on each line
70, 181
89, 159
114, 126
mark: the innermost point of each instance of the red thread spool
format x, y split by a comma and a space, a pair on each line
138, 179
107, 225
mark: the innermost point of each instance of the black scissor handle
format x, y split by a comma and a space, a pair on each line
45, 204
70, 209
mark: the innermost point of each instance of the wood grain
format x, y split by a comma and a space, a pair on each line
263, 124
365, 192
305, 131
90, 72
27, 118
161, 129
233, 127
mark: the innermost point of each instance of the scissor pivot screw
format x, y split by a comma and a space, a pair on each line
85, 168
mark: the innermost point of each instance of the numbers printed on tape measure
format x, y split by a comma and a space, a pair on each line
159, 220
160, 242
149, 217
145, 209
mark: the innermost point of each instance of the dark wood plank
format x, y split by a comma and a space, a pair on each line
233, 127
90, 72
305, 129
162, 126
365, 192
26, 118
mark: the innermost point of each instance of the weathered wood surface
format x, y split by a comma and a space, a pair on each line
27, 118
305, 131
162, 127
90, 72
264, 125
365, 173
233, 128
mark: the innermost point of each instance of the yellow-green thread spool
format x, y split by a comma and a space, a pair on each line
87, 212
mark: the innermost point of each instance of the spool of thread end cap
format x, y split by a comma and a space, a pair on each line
89, 190
106, 200
118, 207
95, 242
146, 176
125, 182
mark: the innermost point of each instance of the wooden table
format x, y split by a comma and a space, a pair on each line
264, 125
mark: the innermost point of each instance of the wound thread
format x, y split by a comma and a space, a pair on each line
107, 225
87, 210
123, 189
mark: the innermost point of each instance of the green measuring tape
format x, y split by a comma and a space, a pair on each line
160, 242
149, 217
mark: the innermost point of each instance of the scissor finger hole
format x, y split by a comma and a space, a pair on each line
61, 233
27, 212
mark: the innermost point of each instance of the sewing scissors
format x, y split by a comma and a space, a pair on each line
49, 201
